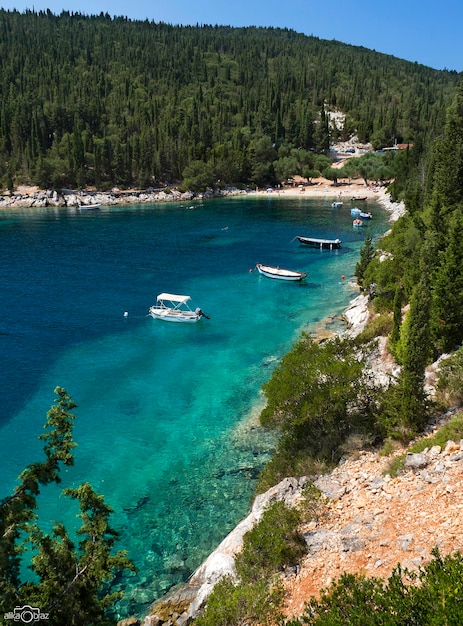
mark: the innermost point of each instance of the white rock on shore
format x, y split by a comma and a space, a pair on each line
72, 198
356, 315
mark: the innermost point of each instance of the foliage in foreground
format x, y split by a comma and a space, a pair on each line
69, 582
431, 597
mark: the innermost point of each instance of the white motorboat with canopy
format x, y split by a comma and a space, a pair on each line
174, 308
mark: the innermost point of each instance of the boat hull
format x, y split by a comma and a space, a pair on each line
172, 315
280, 274
320, 243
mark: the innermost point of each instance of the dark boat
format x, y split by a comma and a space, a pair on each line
319, 243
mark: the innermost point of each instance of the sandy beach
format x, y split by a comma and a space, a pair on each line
346, 193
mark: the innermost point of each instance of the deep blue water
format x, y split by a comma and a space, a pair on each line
166, 413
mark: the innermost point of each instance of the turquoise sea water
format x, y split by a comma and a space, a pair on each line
166, 426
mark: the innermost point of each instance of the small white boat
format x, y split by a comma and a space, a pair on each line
89, 207
279, 273
336, 205
174, 308
365, 216
355, 212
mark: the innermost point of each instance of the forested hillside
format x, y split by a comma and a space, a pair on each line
107, 101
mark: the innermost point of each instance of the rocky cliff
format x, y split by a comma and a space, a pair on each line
372, 522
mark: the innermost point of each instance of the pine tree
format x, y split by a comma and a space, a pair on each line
71, 581
397, 316
367, 253
416, 352
448, 289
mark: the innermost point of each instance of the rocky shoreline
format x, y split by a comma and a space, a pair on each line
183, 604
33, 197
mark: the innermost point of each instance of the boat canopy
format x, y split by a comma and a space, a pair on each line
173, 297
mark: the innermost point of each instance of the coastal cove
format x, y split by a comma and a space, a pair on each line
165, 418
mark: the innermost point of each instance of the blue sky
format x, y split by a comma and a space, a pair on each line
423, 31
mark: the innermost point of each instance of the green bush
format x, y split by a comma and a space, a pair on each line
283, 464
379, 326
431, 597
319, 396
239, 605
272, 544
449, 386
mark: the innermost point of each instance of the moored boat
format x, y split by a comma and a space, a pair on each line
357, 222
279, 273
171, 307
365, 216
355, 212
89, 207
336, 205
320, 243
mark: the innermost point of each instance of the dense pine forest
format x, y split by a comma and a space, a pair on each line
101, 101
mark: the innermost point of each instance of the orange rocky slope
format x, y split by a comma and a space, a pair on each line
373, 522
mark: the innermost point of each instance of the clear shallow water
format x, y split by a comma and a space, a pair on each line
164, 419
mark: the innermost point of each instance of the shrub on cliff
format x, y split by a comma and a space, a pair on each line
431, 597
318, 397
449, 387
273, 544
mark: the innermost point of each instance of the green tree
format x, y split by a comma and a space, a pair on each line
331, 173
261, 157
318, 397
198, 176
71, 583
447, 305
367, 253
447, 180
406, 407
322, 133
397, 317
